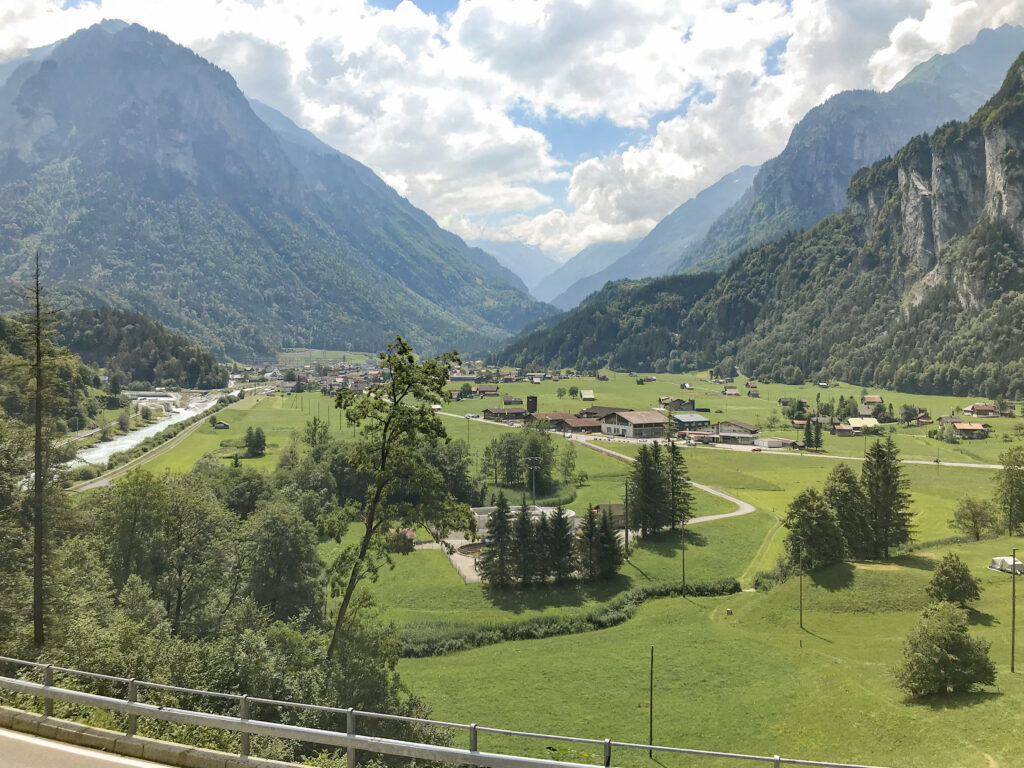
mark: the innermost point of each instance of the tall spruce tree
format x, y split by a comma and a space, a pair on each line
1010, 489
523, 547
680, 497
561, 554
817, 434
542, 565
845, 496
588, 546
888, 501
496, 555
808, 433
609, 550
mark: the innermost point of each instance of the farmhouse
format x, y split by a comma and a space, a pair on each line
843, 430
981, 410
504, 414
576, 424
731, 391
548, 417
587, 395
735, 433
970, 431
645, 424
871, 400
754, 392
487, 390
599, 411
677, 404
691, 421
862, 425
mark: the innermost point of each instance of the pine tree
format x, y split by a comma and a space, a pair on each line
647, 492
523, 546
885, 488
496, 555
561, 554
609, 551
542, 564
814, 538
680, 497
845, 497
587, 546
808, 433
817, 434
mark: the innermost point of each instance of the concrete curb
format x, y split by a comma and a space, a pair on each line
128, 746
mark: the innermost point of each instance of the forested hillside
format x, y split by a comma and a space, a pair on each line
139, 351
147, 182
917, 285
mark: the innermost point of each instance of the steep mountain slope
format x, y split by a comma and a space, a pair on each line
917, 285
528, 262
587, 262
149, 183
808, 180
657, 253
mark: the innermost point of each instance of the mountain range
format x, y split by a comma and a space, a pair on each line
808, 180
917, 285
148, 182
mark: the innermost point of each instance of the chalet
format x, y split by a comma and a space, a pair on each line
864, 411
784, 401
576, 424
643, 424
981, 410
486, 390
676, 404
587, 395
860, 426
454, 395
970, 431
750, 384
686, 422
550, 417
871, 400
508, 400
504, 414
923, 419
222, 425
731, 391
753, 392
944, 420
735, 433
599, 411
843, 430
602, 377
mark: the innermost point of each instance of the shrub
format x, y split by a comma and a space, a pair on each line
940, 656
952, 582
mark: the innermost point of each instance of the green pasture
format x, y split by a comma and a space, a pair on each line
296, 356
622, 390
423, 587
750, 682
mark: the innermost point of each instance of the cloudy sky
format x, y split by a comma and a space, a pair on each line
555, 122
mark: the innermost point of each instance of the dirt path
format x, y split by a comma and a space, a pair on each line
742, 507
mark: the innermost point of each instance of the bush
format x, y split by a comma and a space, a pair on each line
940, 656
952, 582
430, 639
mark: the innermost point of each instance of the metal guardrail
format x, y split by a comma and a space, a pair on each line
353, 743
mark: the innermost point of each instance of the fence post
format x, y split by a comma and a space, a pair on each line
133, 696
48, 682
607, 752
777, 762
350, 730
472, 737
243, 714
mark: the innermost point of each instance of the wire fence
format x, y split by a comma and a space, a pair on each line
130, 698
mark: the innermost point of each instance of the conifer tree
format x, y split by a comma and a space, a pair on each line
609, 551
808, 433
542, 549
680, 497
523, 547
561, 556
885, 488
587, 546
814, 538
845, 497
496, 555
817, 434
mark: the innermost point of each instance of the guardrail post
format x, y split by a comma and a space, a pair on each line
350, 729
777, 762
133, 696
472, 737
243, 714
48, 682
607, 752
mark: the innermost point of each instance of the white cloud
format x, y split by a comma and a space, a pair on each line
426, 101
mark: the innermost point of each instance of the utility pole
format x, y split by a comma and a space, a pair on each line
650, 707
533, 464
801, 588
625, 515
1013, 606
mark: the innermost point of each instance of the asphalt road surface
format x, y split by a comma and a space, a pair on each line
21, 750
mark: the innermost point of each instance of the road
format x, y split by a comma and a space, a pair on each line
22, 750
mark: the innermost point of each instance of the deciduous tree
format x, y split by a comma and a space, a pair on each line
939, 655
814, 538
952, 581
974, 517
1010, 489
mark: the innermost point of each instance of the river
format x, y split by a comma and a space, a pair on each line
101, 452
